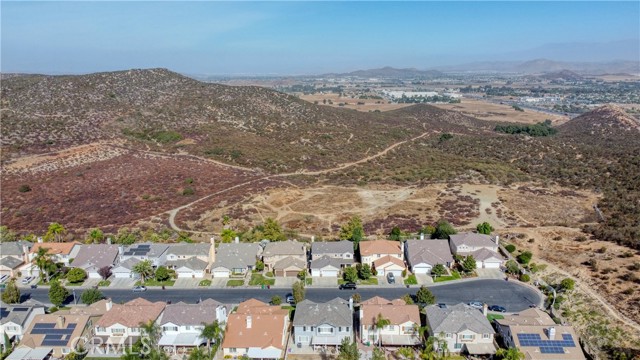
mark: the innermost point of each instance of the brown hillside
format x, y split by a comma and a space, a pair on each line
607, 120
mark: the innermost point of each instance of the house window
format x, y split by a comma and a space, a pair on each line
408, 330
304, 328
378, 255
390, 327
135, 330
340, 328
448, 336
346, 329
457, 346
347, 256
170, 328
233, 350
11, 328
486, 336
325, 330
303, 339
117, 331
312, 328
65, 350
467, 337
100, 329
187, 327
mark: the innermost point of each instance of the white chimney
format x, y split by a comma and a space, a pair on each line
25, 253
40, 239
484, 309
313, 238
109, 240
497, 240
237, 239
351, 303
212, 240
421, 236
109, 304
552, 333
60, 322
248, 321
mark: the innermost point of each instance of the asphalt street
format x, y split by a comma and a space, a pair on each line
512, 295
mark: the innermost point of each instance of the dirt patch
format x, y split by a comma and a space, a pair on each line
496, 112
364, 105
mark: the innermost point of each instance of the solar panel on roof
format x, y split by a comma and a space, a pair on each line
144, 246
47, 342
20, 309
4, 313
44, 326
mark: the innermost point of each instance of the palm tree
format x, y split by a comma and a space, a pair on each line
429, 352
198, 354
510, 354
43, 262
405, 352
56, 232
381, 322
152, 331
144, 269
213, 333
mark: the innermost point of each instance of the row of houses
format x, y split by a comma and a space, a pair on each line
261, 331
284, 258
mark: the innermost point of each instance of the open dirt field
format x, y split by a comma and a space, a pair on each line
496, 112
351, 103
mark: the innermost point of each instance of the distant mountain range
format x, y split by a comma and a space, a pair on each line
391, 72
539, 66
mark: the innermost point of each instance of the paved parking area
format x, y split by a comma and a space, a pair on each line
324, 282
123, 283
424, 279
91, 282
490, 273
186, 283
285, 281
219, 282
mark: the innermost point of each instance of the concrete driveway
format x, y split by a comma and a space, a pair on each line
424, 279
123, 283
324, 282
490, 273
286, 282
186, 283
219, 282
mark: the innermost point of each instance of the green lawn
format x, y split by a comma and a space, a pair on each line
411, 280
74, 284
269, 274
454, 276
491, 317
104, 283
259, 279
371, 281
235, 282
154, 282
205, 282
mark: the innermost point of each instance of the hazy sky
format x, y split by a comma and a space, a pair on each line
307, 37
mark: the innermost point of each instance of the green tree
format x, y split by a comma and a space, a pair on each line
356, 298
213, 333
428, 229
438, 270
395, 234
405, 353
443, 230
525, 278
429, 352
162, 273
228, 235
484, 228
57, 293
302, 274
152, 331
468, 263
272, 230
226, 220
365, 272
567, 284
259, 265
55, 232
353, 231
298, 291
512, 267
380, 323
510, 248
378, 354
525, 257
276, 300
510, 354
198, 354
425, 296
76, 275
95, 236
91, 296
348, 350
125, 236
7, 235
144, 269
11, 294
408, 299
350, 274
43, 262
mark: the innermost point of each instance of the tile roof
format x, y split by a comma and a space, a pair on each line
95, 256
397, 312
387, 260
268, 326
236, 255
377, 300
326, 261
192, 263
14, 247
456, 318
192, 314
430, 252
532, 352
290, 261
472, 239
533, 316
335, 312
186, 249
289, 247
129, 263
132, 313
19, 316
10, 262
332, 247
379, 247
150, 250
55, 248
485, 254
33, 340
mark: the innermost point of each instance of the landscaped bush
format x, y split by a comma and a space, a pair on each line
510, 248
525, 278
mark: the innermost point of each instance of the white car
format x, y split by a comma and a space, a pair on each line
27, 280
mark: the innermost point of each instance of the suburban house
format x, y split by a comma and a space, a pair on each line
423, 255
23, 352
13, 254
124, 270
463, 328
404, 322
190, 260
323, 324
62, 252
182, 323
93, 257
120, 325
235, 259
60, 333
285, 258
156, 253
14, 320
482, 247
370, 251
329, 258
536, 335
256, 330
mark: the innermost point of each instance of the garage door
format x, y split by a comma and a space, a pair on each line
421, 270
291, 273
492, 265
315, 272
329, 273
185, 274
396, 273
219, 274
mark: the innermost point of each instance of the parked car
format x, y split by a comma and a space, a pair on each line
27, 280
476, 304
290, 300
34, 286
139, 289
497, 308
347, 286
391, 278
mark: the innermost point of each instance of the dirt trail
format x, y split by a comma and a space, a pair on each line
174, 212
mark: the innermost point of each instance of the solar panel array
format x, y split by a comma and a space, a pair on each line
4, 313
53, 336
138, 250
547, 346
